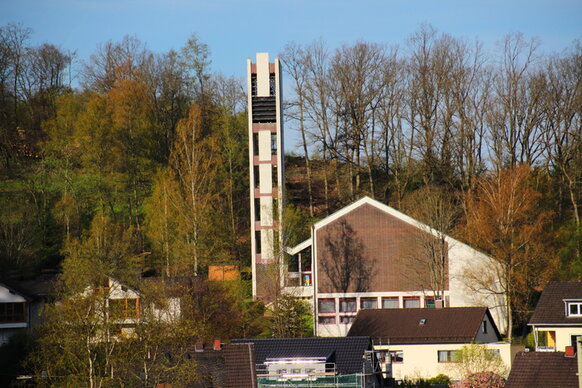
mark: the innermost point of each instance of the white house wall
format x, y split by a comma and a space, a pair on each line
9, 297
421, 361
462, 259
563, 335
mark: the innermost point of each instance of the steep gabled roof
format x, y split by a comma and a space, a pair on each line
347, 352
402, 326
16, 288
388, 210
551, 309
542, 369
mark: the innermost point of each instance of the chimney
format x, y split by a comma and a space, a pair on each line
199, 346
570, 351
217, 345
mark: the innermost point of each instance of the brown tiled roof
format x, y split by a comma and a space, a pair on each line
239, 360
550, 308
542, 369
402, 326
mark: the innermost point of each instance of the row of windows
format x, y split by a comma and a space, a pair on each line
124, 308
272, 84
397, 356
349, 304
12, 312
330, 320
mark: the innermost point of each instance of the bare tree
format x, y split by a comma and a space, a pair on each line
294, 62
515, 115
359, 74
563, 120
435, 208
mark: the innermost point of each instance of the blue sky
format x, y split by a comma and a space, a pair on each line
235, 30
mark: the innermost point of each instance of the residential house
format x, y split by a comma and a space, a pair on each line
338, 362
425, 342
377, 252
126, 306
543, 369
557, 319
21, 303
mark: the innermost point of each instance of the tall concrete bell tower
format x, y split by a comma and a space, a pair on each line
267, 173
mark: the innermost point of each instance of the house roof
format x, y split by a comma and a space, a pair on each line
550, 308
379, 205
542, 369
232, 366
441, 325
32, 289
346, 352
14, 287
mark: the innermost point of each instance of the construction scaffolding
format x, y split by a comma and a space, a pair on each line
338, 381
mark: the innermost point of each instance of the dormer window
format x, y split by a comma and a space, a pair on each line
574, 308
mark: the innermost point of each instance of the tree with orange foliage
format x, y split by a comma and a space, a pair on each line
504, 219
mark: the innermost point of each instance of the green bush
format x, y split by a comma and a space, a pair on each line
440, 379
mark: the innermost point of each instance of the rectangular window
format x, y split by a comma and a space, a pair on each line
369, 303
411, 302
258, 241
391, 356
397, 356
306, 259
347, 319
255, 143
256, 176
274, 176
124, 308
257, 209
575, 309
326, 305
449, 356
484, 327
493, 354
273, 143
429, 302
272, 86
347, 305
390, 302
254, 84
326, 320
115, 331
12, 312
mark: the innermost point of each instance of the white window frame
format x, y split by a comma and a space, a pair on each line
569, 303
